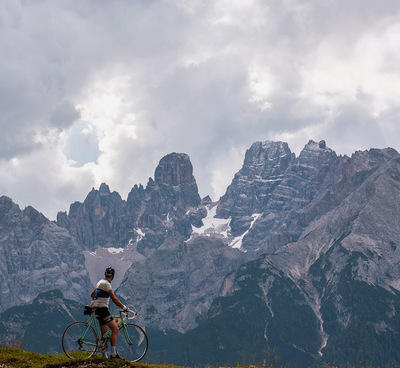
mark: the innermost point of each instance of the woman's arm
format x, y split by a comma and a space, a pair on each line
116, 301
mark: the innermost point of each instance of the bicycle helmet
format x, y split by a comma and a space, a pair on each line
109, 271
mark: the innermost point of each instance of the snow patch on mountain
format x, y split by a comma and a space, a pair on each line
115, 250
212, 224
140, 234
237, 241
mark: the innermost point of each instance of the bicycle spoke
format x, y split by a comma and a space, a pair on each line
79, 341
132, 343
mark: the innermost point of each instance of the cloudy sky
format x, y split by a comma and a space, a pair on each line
99, 91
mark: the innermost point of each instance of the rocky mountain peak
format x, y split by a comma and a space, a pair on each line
371, 159
35, 217
174, 179
6, 204
312, 145
97, 220
34, 248
314, 150
174, 169
263, 169
264, 158
104, 189
10, 213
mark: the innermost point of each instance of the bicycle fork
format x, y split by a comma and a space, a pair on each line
128, 339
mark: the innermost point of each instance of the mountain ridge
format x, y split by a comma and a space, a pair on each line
286, 251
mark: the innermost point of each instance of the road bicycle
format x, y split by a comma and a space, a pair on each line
81, 341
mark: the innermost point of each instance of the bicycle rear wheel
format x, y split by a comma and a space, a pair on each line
79, 341
132, 343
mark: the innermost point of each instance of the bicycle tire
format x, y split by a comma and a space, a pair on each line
138, 349
74, 346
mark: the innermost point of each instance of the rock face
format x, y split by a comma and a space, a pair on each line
169, 204
36, 255
99, 220
308, 186
331, 294
300, 180
175, 180
159, 210
263, 170
174, 288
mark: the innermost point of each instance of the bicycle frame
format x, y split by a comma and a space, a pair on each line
121, 325
96, 327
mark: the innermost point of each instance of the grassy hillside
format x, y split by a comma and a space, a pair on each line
18, 358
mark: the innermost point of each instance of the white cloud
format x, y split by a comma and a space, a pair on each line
44, 180
100, 92
221, 168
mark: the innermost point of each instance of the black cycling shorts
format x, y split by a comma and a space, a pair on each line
103, 315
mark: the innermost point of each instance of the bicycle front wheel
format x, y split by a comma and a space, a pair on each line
132, 342
79, 341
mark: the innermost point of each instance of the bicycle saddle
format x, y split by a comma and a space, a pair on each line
88, 310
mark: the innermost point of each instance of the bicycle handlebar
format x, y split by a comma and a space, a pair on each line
126, 313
